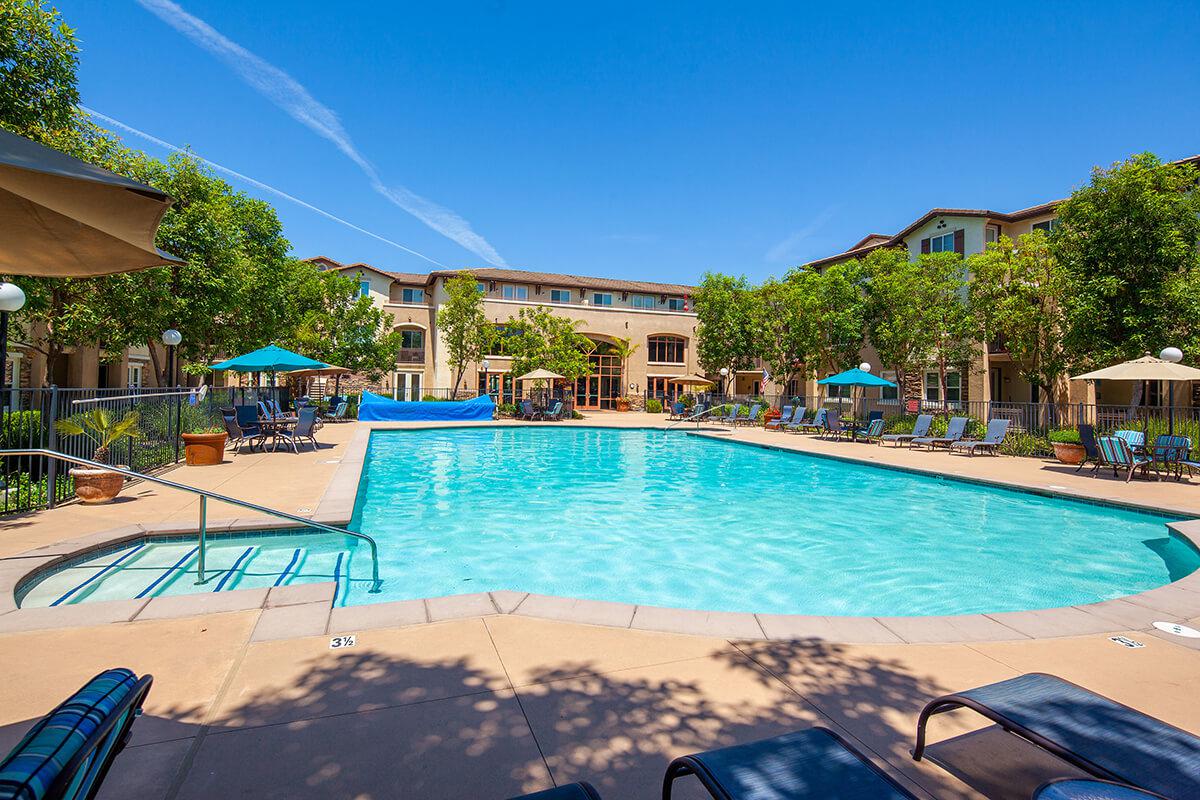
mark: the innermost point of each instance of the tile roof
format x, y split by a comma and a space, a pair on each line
577, 281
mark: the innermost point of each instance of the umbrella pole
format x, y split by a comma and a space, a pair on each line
1170, 408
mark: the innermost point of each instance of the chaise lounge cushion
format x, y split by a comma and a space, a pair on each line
570, 791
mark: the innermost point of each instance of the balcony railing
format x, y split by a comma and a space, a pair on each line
411, 355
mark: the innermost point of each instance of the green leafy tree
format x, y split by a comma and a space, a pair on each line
39, 56
1018, 292
951, 326
463, 325
724, 330
538, 339
833, 304
782, 335
897, 314
1127, 241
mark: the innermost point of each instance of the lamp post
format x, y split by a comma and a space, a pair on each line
1174, 355
724, 380
171, 338
11, 299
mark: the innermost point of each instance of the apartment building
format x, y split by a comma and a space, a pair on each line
657, 317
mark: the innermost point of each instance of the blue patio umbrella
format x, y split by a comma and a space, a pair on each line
269, 359
856, 377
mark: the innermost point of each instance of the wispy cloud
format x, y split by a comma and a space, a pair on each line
289, 95
630, 238
266, 187
786, 250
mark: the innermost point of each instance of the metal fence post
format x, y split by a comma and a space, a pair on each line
52, 443
178, 430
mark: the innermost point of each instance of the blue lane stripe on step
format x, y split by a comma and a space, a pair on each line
169, 571
96, 576
229, 573
288, 568
337, 577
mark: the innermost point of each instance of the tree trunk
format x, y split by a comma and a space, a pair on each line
159, 370
457, 382
1135, 398
942, 380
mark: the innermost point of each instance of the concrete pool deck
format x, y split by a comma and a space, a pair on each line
486, 704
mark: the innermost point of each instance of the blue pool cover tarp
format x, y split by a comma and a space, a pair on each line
376, 408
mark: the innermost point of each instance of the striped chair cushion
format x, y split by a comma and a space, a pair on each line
29, 770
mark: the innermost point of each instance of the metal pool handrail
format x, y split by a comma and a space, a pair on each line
204, 495
693, 418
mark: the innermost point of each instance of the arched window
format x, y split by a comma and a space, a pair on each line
665, 349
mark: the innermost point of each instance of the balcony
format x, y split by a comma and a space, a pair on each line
411, 355
997, 346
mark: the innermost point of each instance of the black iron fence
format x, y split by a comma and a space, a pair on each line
29, 421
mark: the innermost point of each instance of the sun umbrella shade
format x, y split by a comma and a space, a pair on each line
855, 377
63, 217
270, 359
1146, 368
328, 369
691, 380
541, 375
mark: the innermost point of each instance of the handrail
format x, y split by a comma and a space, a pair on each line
204, 495
694, 418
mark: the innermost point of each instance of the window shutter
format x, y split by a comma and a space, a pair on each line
960, 242
925, 245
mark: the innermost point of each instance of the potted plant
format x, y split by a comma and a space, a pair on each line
204, 445
92, 484
1067, 447
623, 403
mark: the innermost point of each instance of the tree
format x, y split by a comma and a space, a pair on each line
1127, 242
463, 326
339, 326
782, 336
897, 315
1018, 291
38, 60
951, 326
833, 304
623, 349
538, 339
723, 330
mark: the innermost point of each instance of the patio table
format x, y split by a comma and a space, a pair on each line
274, 427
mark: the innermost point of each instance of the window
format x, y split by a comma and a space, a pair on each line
135, 376
643, 301
676, 304
599, 299
516, 292
364, 288
991, 234
1049, 226
834, 392
560, 295
933, 389
942, 244
413, 296
481, 287
666, 349
889, 394
412, 340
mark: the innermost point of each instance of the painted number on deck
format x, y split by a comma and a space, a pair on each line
1125, 641
342, 642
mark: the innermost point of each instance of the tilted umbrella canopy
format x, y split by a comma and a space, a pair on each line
855, 377
541, 375
691, 380
1146, 368
328, 369
270, 359
63, 217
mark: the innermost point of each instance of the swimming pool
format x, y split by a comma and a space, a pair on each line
669, 519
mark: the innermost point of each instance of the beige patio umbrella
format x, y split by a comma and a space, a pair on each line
63, 217
691, 380
1148, 368
541, 375
328, 369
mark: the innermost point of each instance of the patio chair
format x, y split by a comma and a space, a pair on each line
816, 424
784, 418
1090, 789
68, 753
676, 410
528, 411
303, 429
733, 415
1171, 451
1135, 439
1099, 736
339, 412
956, 428
570, 791
814, 763
997, 429
873, 431
247, 417
834, 429
239, 436
797, 419
751, 415
1117, 454
920, 430
1091, 450
555, 413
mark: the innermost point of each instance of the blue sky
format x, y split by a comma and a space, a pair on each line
647, 141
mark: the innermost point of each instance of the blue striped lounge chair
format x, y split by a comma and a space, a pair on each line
1117, 454
1171, 451
556, 412
1090, 789
873, 431
67, 754
1135, 439
797, 419
569, 791
784, 418
814, 425
1103, 738
956, 428
813, 764
920, 429
997, 429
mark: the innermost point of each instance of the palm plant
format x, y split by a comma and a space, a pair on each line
623, 349
100, 426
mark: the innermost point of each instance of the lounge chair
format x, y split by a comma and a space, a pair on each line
1117, 454
733, 415
1099, 736
303, 429
997, 429
920, 430
1171, 451
1091, 450
784, 418
873, 431
751, 415
555, 413
570, 791
339, 412
1135, 439
239, 436
1090, 789
528, 411
68, 753
814, 763
797, 419
956, 428
816, 424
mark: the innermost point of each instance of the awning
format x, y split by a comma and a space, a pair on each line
63, 217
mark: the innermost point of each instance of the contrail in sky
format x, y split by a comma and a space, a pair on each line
290, 96
256, 183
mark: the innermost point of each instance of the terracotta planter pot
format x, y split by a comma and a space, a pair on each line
95, 486
622, 404
1069, 452
203, 449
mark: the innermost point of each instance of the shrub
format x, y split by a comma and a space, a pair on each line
654, 406
507, 409
21, 429
688, 400
575, 414
1030, 445
1064, 436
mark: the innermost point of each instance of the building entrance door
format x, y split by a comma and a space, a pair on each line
601, 389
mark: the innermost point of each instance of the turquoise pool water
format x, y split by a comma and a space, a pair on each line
669, 519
